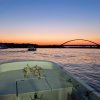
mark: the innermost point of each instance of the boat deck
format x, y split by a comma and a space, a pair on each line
9, 80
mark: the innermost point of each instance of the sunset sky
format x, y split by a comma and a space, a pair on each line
49, 21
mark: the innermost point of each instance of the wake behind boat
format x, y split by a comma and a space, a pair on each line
41, 80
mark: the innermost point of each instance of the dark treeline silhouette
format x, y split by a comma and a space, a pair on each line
28, 45
18, 45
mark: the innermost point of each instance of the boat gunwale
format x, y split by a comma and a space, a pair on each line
76, 79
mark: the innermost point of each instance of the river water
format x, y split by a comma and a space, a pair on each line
83, 63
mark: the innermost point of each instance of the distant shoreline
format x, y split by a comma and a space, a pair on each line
27, 45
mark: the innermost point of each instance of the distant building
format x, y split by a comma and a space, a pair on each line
2, 46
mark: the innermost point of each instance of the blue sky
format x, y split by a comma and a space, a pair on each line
44, 19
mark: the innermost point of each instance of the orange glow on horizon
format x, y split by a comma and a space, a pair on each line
49, 42
45, 39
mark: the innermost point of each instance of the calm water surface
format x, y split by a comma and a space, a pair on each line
83, 63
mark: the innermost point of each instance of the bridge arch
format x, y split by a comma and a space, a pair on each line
80, 39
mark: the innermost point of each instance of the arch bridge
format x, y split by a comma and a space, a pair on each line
92, 45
